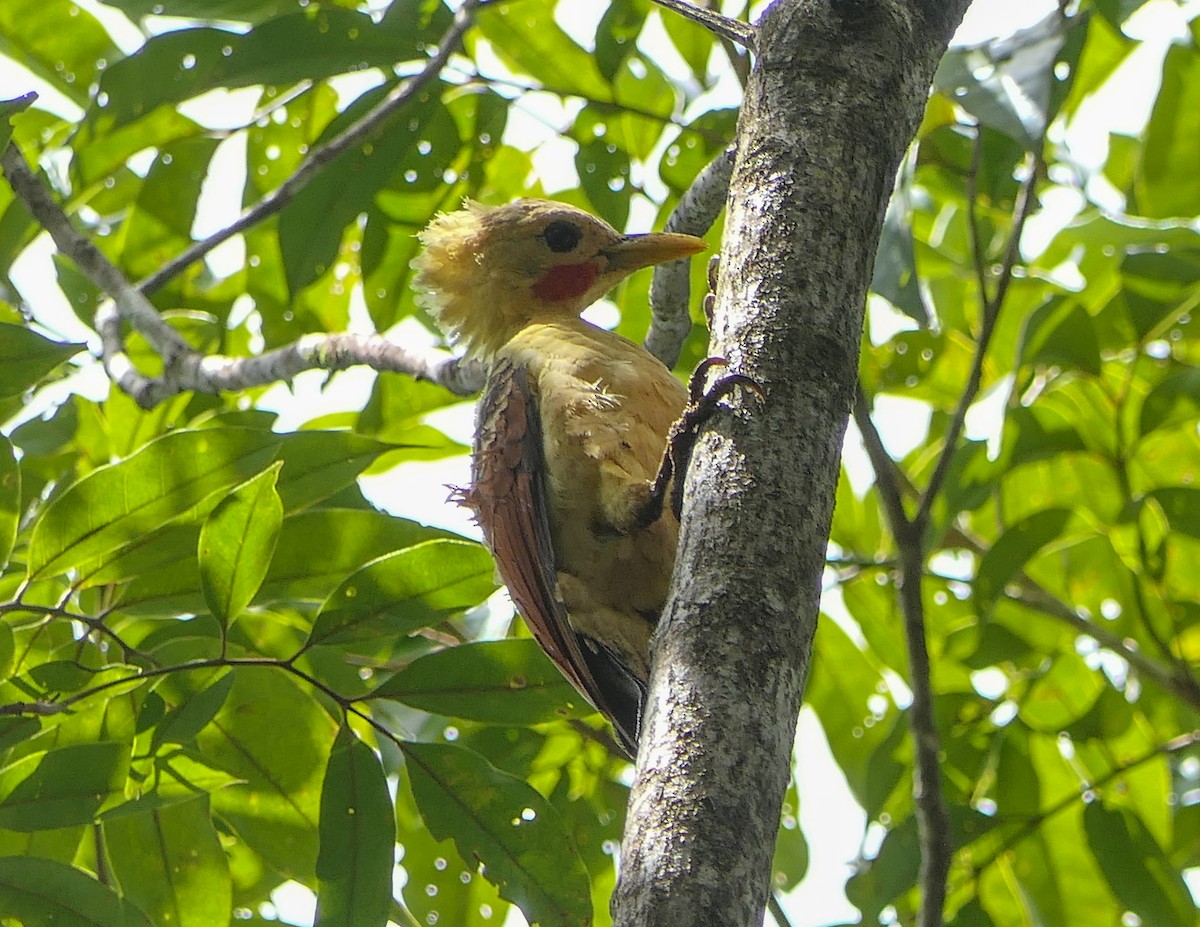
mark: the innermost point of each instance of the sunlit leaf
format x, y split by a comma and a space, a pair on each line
515, 833
26, 357
9, 108
44, 893
358, 835
236, 543
62, 787
1166, 183
169, 861
499, 682
408, 590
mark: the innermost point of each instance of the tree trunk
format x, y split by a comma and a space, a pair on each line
835, 97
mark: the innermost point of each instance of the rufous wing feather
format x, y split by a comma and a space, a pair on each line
508, 496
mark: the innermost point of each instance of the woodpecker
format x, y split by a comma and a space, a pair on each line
568, 466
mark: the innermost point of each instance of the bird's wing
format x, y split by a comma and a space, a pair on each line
508, 495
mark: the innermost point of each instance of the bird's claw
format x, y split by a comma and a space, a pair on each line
702, 403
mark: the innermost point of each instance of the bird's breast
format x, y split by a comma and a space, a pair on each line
605, 406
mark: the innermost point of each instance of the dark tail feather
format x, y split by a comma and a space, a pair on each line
624, 694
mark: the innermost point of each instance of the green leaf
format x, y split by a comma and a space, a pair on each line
58, 41
8, 650
276, 738
44, 893
181, 477
616, 35
1137, 869
1181, 505
844, 682
1061, 332
693, 42
236, 544
10, 502
791, 849
1167, 181
1063, 695
604, 174
440, 882
159, 225
62, 787
497, 682
307, 45
358, 838
895, 868
1014, 548
1174, 401
526, 37
26, 357
1006, 84
895, 274
222, 10
8, 109
312, 224
182, 723
168, 480
319, 464
504, 823
169, 861
407, 590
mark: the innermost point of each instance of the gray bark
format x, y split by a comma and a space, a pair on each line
835, 98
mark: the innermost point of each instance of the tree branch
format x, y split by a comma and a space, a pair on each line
360, 131
724, 26
833, 102
670, 288
188, 369
933, 819
94, 265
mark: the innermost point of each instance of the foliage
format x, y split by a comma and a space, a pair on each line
224, 668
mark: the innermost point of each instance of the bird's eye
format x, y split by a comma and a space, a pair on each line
561, 236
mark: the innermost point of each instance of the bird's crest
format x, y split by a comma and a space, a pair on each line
487, 272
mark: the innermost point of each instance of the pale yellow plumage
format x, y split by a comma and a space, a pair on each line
571, 433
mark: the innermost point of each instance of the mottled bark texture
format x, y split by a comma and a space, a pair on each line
835, 98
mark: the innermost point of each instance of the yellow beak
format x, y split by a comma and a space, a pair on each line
635, 251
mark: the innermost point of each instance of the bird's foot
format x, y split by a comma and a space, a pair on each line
702, 403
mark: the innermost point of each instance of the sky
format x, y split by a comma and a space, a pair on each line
831, 820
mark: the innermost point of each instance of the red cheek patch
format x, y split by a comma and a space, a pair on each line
567, 281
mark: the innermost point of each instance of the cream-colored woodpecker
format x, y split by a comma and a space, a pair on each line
571, 430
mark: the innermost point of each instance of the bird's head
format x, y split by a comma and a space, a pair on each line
488, 272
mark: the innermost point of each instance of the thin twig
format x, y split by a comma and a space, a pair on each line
670, 288
94, 624
732, 29
777, 912
933, 819
1035, 821
990, 306
1179, 683
102, 272
187, 369
881, 461
357, 133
